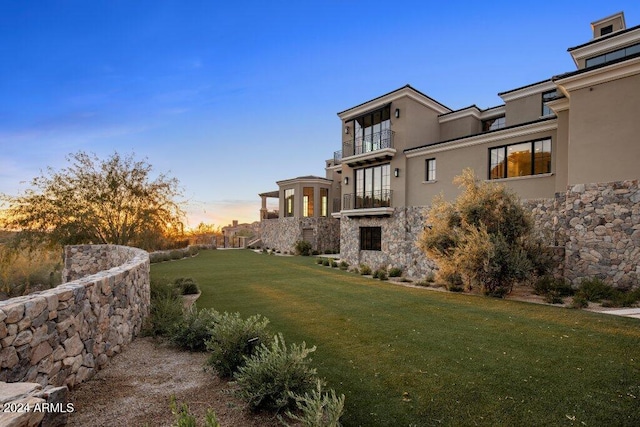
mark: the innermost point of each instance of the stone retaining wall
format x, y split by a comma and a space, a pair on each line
593, 230
62, 336
283, 233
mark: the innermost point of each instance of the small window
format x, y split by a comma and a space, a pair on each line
307, 201
370, 238
548, 96
324, 202
430, 168
493, 124
288, 202
606, 30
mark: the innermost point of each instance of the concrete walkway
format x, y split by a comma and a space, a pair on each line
626, 312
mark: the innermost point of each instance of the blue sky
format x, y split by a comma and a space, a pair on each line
230, 97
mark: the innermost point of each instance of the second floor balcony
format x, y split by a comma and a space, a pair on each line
367, 149
369, 203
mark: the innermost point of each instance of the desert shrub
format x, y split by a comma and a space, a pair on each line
484, 238
315, 252
334, 264
552, 289
193, 251
184, 418
318, 408
355, 270
166, 310
195, 329
365, 270
186, 286
595, 290
343, 265
395, 272
381, 274
176, 254
325, 262
319, 261
273, 374
230, 341
303, 248
430, 277
579, 301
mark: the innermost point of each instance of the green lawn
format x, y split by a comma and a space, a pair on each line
405, 356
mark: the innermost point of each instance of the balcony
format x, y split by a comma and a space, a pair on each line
371, 203
368, 149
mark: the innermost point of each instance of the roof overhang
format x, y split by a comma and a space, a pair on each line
587, 78
605, 45
527, 91
370, 157
367, 212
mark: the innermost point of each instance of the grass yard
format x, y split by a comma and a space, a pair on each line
405, 356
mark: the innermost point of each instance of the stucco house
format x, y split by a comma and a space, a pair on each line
569, 145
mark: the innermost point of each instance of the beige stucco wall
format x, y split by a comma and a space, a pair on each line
450, 163
604, 132
523, 110
463, 126
298, 187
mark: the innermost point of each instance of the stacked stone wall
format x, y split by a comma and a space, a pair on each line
283, 233
62, 336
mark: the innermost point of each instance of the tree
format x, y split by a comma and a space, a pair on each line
204, 234
484, 238
97, 201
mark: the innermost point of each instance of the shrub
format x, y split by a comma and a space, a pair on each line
552, 289
325, 262
319, 261
365, 270
186, 286
176, 254
229, 342
430, 277
344, 265
595, 290
318, 408
579, 301
485, 237
395, 272
184, 418
303, 248
195, 329
166, 310
334, 264
273, 374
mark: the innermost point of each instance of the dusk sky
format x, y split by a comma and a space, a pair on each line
230, 97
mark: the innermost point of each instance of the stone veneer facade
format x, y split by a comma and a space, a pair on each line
62, 336
594, 230
283, 233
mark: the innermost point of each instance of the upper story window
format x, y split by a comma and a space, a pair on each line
372, 131
307, 201
493, 124
288, 202
548, 96
522, 159
606, 30
430, 170
324, 202
612, 56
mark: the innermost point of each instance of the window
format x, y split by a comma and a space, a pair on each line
493, 124
372, 131
548, 96
612, 56
307, 201
288, 202
370, 238
606, 30
373, 187
430, 169
523, 159
324, 202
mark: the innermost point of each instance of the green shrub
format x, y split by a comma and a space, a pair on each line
319, 261
579, 301
303, 248
186, 286
229, 342
395, 272
176, 254
270, 377
315, 252
195, 329
166, 310
184, 418
549, 284
318, 408
334, 264
365, 270
193, 250
355, 270
325, 262
382, 274
344, 265
595, 290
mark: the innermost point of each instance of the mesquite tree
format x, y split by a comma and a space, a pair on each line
97, 201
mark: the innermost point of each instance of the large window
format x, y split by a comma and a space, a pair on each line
548, 96
324, 202
373, 187
612, 56
527, 158
370, 238
430, 170
493, 124
307, 201
372, 131
288, 202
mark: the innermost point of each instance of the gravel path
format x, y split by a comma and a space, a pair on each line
135, 387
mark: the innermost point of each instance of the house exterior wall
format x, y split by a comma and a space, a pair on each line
523, 110
283, 233
458, 128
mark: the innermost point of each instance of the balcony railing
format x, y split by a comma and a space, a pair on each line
368, 143
337, 156
367, 200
